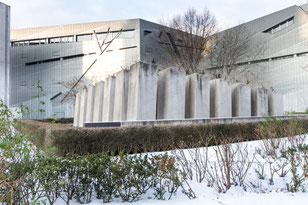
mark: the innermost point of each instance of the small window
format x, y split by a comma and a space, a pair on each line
280, 26
86, 37
146, 32
23, 83
23, 56
55, 53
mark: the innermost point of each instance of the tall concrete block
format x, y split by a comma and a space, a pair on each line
142, 92
259, 102
98, 102
197, 97
121, 96
90, 104
77, 110
275, 103
83, 107
241, 100
171, 94
220, 95
108, 106
4, 52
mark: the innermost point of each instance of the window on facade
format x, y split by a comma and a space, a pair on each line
86, 37
146, 32
101, 36
23, 83
280, 26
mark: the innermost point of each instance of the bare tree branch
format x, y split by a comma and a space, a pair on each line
69, 84
187, 37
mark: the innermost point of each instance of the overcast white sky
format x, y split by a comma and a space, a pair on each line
35, 13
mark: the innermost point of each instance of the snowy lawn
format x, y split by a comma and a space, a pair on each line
259, 188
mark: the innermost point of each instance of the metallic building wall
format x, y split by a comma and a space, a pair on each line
4, 51
284, 60
30, 63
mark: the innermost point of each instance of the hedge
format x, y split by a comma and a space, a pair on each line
67, 139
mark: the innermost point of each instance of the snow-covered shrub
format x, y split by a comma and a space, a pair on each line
297, 157
168, 178
132, 176
17, 161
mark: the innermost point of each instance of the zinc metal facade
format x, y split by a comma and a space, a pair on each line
4, 52
50, 55
283, 65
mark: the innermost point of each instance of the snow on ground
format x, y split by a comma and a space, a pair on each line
260, 194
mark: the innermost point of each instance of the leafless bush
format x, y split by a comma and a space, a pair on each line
272, 143
194, 162
243, 163
233, 161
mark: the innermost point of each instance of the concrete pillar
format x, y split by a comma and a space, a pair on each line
197, 97
108, 106
171, 94
241, 100
142, 92
90, 104
4, 52
259, 102
98, 102
77, 110
121, 96
275, 103
83, 107
220, 95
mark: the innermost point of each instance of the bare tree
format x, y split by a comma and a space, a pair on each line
232, 55
187, 37
69, 84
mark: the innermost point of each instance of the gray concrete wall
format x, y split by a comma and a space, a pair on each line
4, 52
220, 94
109, 95
197, 97
142, 92
259, 102
241, 100
275, 103
77, 110
171, 94
121, 96
90, 104
83, 107
98, 102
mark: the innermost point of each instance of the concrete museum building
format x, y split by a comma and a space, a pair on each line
53, 54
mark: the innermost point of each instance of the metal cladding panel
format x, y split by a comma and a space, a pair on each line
51, 63
4, 51
283, 65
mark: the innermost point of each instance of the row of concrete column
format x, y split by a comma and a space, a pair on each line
144, 93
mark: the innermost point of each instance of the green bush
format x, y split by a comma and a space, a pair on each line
162, 138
